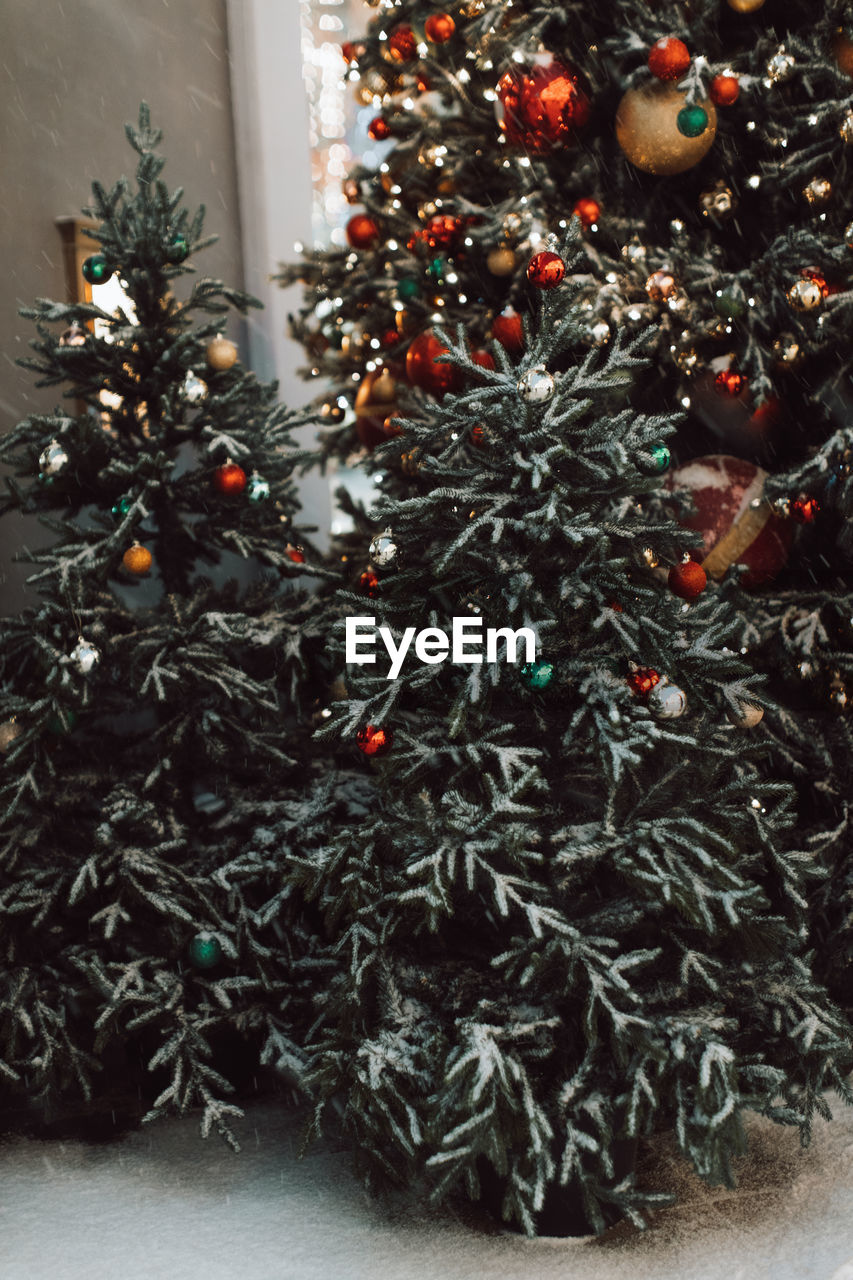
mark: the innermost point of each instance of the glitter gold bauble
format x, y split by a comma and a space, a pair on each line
137, 559
221, 354
501, 261
647, 129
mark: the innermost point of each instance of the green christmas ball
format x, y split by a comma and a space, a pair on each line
692, 121
408, 288
537, 675
435, 270
178, 250
205, 951
96, 269
660, 459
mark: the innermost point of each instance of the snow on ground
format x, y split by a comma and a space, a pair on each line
162, 1204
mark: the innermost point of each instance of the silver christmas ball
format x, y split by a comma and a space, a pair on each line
383, 549
53, 459
85, 656
258, 489
194, 389
667, 701
596, 333
780, 67
536, 386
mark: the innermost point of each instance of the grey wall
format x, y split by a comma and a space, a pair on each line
73, 72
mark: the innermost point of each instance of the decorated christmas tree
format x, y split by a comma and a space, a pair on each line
599, 889
154, 700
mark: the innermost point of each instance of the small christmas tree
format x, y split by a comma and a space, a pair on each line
154, 715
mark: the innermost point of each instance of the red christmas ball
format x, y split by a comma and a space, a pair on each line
543, 105
546, 269
484, 359
687, 580
805, 510
508, 330
669, 58
351, 50
374, 740
588, 210
643, 679
439, 28
229, 478
295, 554
731, 530
724, 90
362, 231
425, 371
402, 45
369, 583
379, 129
729, 382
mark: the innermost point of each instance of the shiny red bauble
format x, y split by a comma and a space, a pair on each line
543, 105
687, 580
229, 478
546, 270
588, 210
362, 231
402, 44
379, 129
425, 371
729, 382
295, 554
439, 28
508, 330
805, 510
643, 679
373, 740
669, 58
724, 90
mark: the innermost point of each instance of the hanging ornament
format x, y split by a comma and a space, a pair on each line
137, 559
842, 50
193, 389
501, 261
745, 6
205, 950
729, 382
546, 270
508, 330
536, 386
372, 740
178, 249
537, 675
9, 731
258, 489
687, 580
669, 58
780, 67
595, 333
437, 269
804, 509
479, 436
542, 105
659, 458
369, 584
439, 27
482, 359
424, 369
787, 352
374, 402
294, 553
351, 190
53, 459
724, 90
391, 427
745, 715
588, 210
379, 129
230, 478
805, 295
718, 203
351, 51
408, 288
512, 224
383, 549
401, 45
442, 231
362, 232
121, 507
642, 679
96, 269
734, 522
85, 656
74, 336
666, 701
650, 128
221, 353
661, 286
818, 192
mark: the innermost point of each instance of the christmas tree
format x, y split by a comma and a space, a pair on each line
155, 696
599, 889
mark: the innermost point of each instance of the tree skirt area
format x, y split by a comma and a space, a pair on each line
162, 1202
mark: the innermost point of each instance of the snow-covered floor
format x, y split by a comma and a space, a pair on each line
162, 1204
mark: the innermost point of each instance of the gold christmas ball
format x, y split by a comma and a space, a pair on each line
842, 49
501, 261
9, 731
137, 559
660, 286
787, 352
747, 715
805, 295
745, 6
718, 203
221, 354
818, 192
647, 129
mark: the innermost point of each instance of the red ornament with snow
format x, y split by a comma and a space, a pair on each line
507, 329
425, 370
542, 105
731, 530
669, 58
